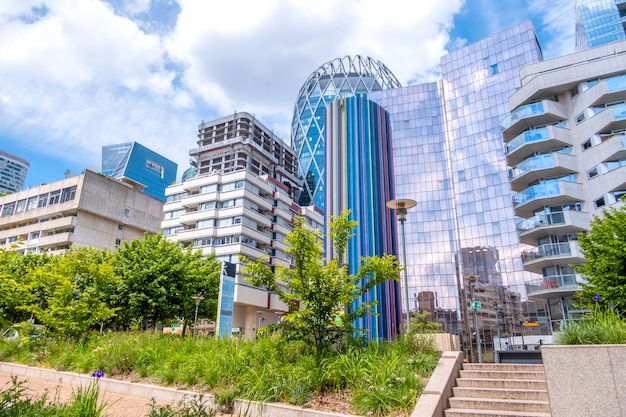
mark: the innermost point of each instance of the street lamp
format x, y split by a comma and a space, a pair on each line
495, 307
197, 299
400, 206
479, 348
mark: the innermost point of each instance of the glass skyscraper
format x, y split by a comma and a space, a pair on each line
599, 22
140, 166
449, 157
13, 170
341, 77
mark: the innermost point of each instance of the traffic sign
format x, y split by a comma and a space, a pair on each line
530, 324
475, 304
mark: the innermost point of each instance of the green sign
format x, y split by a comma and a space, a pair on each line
475, 304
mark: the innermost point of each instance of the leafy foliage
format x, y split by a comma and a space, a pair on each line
321, 292
604, 247
601, 326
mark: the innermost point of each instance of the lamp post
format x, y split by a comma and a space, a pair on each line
197, 299
495, 307
401, 206
479, 348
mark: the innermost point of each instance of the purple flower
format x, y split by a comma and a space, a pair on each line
597, 298
611, 305
98, 374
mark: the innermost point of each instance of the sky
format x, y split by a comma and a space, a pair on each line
79, 74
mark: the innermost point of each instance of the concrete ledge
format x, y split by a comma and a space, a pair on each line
257, 409
434, 398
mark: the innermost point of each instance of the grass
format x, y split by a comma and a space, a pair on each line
601, 326
380, 378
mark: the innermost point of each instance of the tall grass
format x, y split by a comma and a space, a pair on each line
382, 378
601, 326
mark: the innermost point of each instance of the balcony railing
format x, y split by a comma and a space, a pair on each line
532, 164
528, 136
548, 251
523, 112
553, 283
540, 220
550, 188
617, 83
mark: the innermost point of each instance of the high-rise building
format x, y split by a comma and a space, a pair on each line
237, 199
449, 158
566, 146
599, 22
341, 77
85, 210
139, 166
13, 171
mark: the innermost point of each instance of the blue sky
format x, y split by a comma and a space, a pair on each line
80, 74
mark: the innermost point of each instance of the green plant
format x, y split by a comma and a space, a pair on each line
194, 407
600, 326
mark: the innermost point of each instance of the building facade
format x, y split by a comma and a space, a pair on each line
449, 158
341, 77
599, 22
89, 209
139, 166
237, 199
566, 149
13, 170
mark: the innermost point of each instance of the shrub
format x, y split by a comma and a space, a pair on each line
601, 326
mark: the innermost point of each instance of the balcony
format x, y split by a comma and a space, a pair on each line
532, 229
552, 254
541, 166
536, 141
535, 114
553, 287
549, 193
64, 238
609, 90
604, 120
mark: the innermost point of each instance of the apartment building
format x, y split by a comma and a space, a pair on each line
566, 148
89, 209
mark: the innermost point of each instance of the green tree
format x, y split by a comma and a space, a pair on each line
159, 279
604, 247
69, 293
321, 292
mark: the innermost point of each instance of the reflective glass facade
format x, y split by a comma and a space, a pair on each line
13, 171
599, 22
449, 158
134, 162
341, 77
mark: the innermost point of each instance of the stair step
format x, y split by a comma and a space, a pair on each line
493, 374
502, 383
501, 393
464, 412
497, 404
503, 367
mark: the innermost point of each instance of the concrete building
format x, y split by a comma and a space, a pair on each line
238, 200
566, 148
139, 166
13, 170
599, 22
89, 209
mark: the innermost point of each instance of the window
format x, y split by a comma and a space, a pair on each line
573, 92
7, 210
593, 172
54, 197
580, 117
118, 242
21, 206
493, 69
120, 227
127, 212
586, 145
31, 204
68, 194
43, 200
599, 202
211, 188
154, 167
461, 175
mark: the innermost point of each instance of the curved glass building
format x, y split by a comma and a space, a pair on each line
341, 77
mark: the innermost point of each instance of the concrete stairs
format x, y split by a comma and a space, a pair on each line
499, 390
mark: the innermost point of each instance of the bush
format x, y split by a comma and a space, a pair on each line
598, 327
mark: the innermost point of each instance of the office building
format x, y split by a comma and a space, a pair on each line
89, 209
599, 22
238, 200
341, 77
566, 147
139, 166
13, 171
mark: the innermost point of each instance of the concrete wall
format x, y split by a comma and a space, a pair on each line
444, 341
586, 380
434, 398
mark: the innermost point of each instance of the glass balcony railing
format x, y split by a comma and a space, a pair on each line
540, 220
555, 282
528, 136
547, 251
523, 112
532, 164
549, 188
614, 84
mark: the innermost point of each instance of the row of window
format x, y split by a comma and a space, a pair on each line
225, 240
212, 188
43, 200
